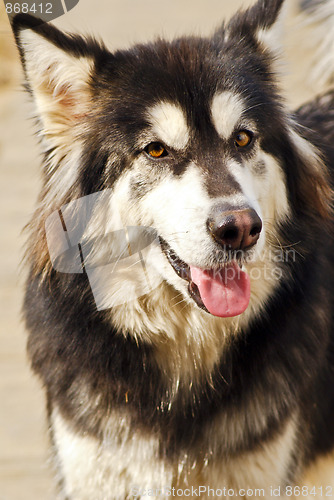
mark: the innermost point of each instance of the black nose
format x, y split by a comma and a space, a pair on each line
235, 229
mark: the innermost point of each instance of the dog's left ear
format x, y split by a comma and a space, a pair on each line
260, 23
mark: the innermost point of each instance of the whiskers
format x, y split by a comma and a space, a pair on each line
177, 297
284, 248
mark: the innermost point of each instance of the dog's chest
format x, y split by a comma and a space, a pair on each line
129, 464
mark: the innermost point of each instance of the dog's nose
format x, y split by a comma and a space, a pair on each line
235, 229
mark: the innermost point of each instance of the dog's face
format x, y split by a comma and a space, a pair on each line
193, 141
196, 139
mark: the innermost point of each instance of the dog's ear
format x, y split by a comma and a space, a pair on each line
58, 70
260, 23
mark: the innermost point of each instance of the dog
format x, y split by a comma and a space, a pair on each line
179, 301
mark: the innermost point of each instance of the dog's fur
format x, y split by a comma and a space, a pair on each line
155, 392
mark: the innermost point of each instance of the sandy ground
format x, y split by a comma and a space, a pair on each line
24, 471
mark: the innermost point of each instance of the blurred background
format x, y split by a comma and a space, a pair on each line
25, 473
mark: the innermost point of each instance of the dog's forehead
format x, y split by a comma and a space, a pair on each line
186, 88
170, 121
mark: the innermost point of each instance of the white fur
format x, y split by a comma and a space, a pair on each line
107, 470
262, 469
311, 155
184, 207
246, 180
177, 208
169, 124
48, 64
273, 191
226, 112
59, 84
63, 170
127, 461
55, 77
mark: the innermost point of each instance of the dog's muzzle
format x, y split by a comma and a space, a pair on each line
223, 290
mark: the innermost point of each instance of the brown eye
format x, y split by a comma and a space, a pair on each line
156, 150
243, 138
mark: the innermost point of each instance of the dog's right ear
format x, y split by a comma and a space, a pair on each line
260, 22
58, 69
262, 15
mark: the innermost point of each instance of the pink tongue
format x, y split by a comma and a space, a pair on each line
224, 293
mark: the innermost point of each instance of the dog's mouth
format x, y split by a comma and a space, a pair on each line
223, 292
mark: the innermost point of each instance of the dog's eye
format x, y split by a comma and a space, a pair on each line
156, 150
243, 138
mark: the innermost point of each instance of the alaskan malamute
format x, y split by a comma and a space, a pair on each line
180, 296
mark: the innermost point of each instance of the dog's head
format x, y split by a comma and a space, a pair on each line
193, 141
